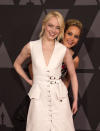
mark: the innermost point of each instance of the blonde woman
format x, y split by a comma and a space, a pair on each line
49, 107
72, 33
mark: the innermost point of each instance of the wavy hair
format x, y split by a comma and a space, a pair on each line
60, 20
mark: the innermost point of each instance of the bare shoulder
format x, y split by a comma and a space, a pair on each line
68, 55
26, 48
76, 59
62, 47
68, 51
23, 55
76, 62
25, 52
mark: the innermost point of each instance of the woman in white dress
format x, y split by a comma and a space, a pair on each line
49, 108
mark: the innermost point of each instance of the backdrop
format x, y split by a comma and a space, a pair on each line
20, 22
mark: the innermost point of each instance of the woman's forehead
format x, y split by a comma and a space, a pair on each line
53, 20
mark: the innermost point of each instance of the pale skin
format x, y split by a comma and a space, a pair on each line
52, 30
71, 38
76, 63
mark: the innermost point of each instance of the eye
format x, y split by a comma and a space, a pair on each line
50, 25
69, 33
76, 36
58, 27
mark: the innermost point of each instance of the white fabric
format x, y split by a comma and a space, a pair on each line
49, 108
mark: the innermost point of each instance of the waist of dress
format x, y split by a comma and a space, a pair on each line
52, 79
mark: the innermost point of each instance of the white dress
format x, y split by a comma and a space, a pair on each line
49, 108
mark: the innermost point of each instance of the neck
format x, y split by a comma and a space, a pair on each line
47, 41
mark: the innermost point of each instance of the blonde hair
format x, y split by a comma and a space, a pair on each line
60, 20
73, 22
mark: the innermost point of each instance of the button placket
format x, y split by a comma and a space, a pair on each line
52, 80
49, 104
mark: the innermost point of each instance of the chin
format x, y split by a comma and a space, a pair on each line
70, 46
51, 38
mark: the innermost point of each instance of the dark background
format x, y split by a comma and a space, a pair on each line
20, 22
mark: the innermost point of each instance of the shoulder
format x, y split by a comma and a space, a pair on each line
76, 59
29, 45
61, 46
33, 43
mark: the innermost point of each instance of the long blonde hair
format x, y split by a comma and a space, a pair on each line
60, 20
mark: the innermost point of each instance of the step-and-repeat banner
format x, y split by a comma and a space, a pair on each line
20, 22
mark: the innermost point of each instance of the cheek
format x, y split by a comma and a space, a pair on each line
66, 37
76, 41
57, 31
47, 28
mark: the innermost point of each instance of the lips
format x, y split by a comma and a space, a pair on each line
69, 42
52, 34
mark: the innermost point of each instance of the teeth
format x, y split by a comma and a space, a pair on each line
70, 42
52, 34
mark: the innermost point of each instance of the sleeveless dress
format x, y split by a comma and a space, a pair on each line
49, 108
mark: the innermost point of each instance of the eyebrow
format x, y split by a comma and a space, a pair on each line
71, 32
58, 26
54, 25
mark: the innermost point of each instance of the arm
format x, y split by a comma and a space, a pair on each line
30, 69
76, 63
24, 54
71, 70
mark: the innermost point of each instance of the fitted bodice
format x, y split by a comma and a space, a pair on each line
38, 62
43, 74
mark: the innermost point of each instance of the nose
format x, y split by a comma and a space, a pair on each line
54, 29
72, 37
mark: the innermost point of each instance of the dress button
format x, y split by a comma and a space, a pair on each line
49, 100
51, 82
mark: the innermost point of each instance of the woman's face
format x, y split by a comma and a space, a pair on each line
71, 36
52, 28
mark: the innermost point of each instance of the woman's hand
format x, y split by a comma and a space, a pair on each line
74, 107
30, 82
